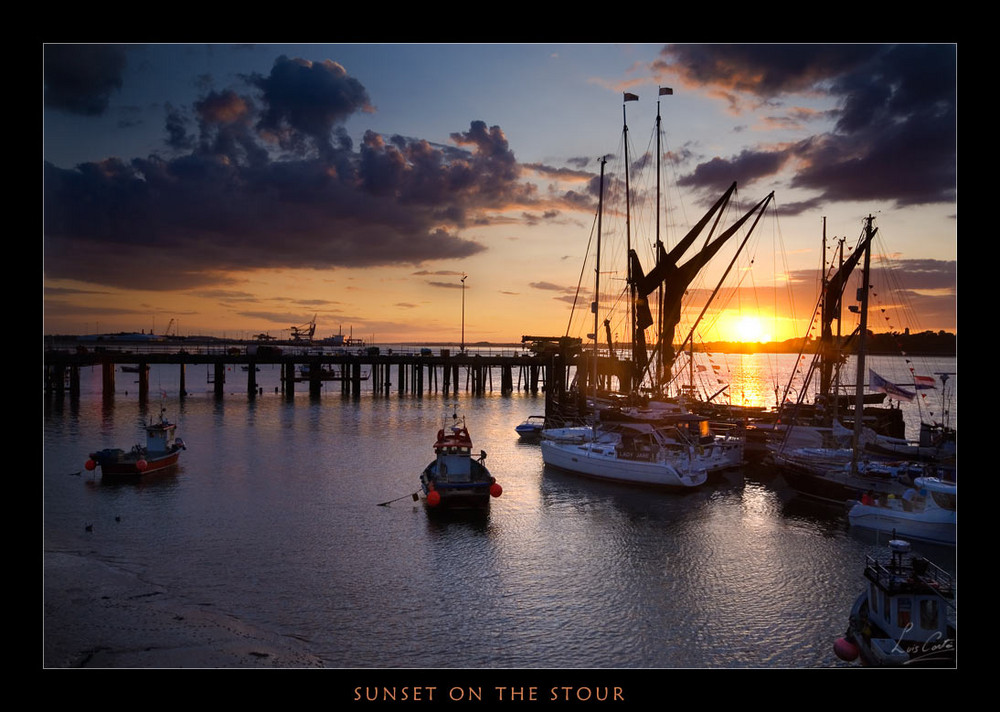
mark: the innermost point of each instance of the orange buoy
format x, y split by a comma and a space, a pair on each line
90, 465
141, 465
433, 498
496, 490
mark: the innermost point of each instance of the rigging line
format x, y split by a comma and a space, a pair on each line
583, 269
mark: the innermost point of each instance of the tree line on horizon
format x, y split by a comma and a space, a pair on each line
938, 343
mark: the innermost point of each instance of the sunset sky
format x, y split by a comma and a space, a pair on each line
239, 189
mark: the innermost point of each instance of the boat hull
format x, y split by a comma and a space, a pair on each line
598, 461
939, 527
128, 465
836, 483
455, 495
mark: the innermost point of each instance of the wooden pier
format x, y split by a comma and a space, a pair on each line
401, 373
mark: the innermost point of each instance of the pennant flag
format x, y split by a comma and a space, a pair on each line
923, 381
666, 90
631, 97
877, 383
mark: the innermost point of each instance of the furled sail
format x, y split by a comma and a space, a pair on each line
832, 301
675, 279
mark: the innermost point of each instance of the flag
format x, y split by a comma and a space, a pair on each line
631, 97
702, 368
666, 90
877, 383
923, 382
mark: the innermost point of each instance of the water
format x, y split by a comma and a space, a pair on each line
273, 516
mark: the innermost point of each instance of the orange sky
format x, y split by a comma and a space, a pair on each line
190, 189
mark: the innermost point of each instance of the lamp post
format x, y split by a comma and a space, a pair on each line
464, 277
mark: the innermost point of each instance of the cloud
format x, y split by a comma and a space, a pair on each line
895, 131
265, 176
80, 79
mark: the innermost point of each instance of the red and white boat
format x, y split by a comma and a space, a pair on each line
456, 480
162, 450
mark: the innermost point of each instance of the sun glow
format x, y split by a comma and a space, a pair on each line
743, 328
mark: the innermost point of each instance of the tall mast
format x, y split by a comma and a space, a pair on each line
859, 398
597, 287
628, 241
659, 251
835, 385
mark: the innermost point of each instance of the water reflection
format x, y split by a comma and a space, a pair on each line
273, 516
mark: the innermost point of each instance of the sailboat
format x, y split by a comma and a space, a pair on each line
636, 449
841, 473
630, 453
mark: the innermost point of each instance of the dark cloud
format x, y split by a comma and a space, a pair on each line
745, 168
80, 79
767, 71
894, 137
307, 99
264, 179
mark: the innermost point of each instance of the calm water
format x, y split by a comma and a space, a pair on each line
273, 516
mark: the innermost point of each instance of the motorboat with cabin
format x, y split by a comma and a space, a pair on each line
455, 479
904, 616
162, 450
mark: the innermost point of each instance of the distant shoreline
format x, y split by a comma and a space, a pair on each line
926, 343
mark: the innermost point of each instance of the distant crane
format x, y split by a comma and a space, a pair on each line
305, 331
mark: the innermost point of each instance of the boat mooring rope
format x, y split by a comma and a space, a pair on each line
415, 496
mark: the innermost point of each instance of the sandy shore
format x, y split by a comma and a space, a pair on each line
97, 616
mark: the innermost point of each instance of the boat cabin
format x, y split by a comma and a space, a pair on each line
909, 600
160, 437
454, 454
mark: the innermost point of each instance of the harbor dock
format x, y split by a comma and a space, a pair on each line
405, 372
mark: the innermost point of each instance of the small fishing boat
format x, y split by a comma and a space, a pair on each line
901, 618
531, 428
927, 512
162, 450
455, 479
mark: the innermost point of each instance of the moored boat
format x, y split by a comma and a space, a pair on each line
901, 618
455, 479
927, 512
831, 474
936, 444
162, 450
630, 453
531, 427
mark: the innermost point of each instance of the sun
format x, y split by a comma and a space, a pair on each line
744, 328
749, 328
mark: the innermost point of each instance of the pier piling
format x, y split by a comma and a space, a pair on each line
416, 374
